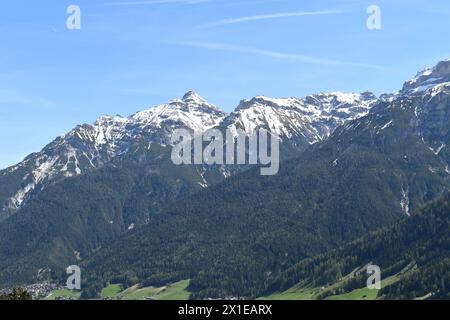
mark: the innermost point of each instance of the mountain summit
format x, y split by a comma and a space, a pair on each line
434, 78
193, 98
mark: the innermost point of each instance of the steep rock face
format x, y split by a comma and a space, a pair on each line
430, 78
427, 96
433, 114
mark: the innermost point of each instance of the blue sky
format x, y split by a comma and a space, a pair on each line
130, 55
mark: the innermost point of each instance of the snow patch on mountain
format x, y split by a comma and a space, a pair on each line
404, 202
385, 126
19, 197
438, 150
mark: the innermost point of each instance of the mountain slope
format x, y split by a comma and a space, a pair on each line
416, 250
72, 218
90, 186
370, 173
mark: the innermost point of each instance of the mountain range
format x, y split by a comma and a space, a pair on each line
107, 197
89, 147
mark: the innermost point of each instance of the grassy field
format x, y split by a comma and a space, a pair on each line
111, 291
358, 294
295, 293
291, 295
176, 291
64, 294
302, 293
140, 294
365, 293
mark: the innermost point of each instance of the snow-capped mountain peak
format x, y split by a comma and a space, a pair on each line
90, 146
428, 80
193, 97
191, 112
313, 118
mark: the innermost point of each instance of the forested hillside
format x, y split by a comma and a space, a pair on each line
419, 245
232, 238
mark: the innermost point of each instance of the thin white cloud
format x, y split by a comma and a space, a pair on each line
268, 17
151, 2
274, 54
